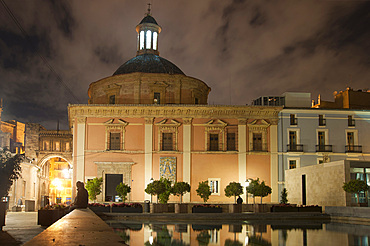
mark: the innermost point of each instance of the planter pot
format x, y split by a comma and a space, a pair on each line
127, 210
206, 210
48, 217
100, 209
3, 206
159, 208
235, 208
260, 208
181, 208
310, 209
284, 209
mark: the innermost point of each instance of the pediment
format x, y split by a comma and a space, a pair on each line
116, 122
168, 122
216, 122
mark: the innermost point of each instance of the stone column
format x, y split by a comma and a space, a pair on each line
80, 134
274, 161
242, 153
148, 147
186, 176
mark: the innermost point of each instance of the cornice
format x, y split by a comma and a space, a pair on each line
172, 111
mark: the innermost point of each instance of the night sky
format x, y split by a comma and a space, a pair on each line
241, 49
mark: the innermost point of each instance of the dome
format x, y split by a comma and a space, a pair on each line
148, 19
148, 63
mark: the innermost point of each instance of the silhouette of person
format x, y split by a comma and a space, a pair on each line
239, 200
82, 198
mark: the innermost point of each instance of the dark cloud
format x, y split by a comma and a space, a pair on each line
241, 49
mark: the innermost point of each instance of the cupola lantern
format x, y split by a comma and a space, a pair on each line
147, 39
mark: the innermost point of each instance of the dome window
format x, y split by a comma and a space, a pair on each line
148, 39
155, 38
141, 40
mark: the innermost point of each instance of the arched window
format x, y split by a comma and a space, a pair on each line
142, 40
148, 39
155, 37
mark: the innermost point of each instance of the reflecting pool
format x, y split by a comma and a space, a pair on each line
279, 234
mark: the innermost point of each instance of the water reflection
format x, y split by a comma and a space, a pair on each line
242, 234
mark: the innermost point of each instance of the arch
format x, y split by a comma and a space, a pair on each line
47, 157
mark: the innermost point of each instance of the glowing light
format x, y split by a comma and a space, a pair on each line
142, 40
155, 37
148, 39
66, 173
151, 240
246, 240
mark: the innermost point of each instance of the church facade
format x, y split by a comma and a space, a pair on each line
149, 120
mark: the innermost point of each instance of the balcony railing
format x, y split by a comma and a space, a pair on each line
353, 148
351, 122
322, 122
295, 147
293, 121
324, 148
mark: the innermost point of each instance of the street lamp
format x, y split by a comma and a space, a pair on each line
247, 182
151, 196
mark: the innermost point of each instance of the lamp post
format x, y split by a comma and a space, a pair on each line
151, 196
247, 182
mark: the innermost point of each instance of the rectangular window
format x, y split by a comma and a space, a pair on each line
322, 121
57, 146
292, 138
112, 99
257, 141
196, 101
321, 138
155, 37
157, 98
214, 185
350, 138
148, 39
115, 141
213, 142
167, 141
293, 120
231, 141
351, 121
292, 164
142, 40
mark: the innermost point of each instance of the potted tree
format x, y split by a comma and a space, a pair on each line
204, 192
93, 187
356, 186
162, 189
234, 189
179, 189
122, 191
262, 190
10, 170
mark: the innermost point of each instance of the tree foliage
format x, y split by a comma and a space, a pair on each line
160, 188
355, 186
180, 188
10, 170
122, 191
284, 196
94, 186
257, 188
234, 189
204, 191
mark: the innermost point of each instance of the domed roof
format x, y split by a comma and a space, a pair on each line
148, 63
148, 19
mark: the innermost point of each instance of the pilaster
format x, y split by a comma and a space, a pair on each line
148, 152
242, 150
186, 154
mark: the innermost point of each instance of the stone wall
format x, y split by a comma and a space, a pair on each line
323, 184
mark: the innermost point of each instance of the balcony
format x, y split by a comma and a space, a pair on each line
351, 122
322, 122
353, 148
293, 121
324, 148
294, 147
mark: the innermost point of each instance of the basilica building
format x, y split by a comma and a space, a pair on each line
149, 120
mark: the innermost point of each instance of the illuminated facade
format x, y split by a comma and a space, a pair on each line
149, 120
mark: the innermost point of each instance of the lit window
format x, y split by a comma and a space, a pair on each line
292, 164
142, 40
148, 39
155, 37
157, 98
214, 185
